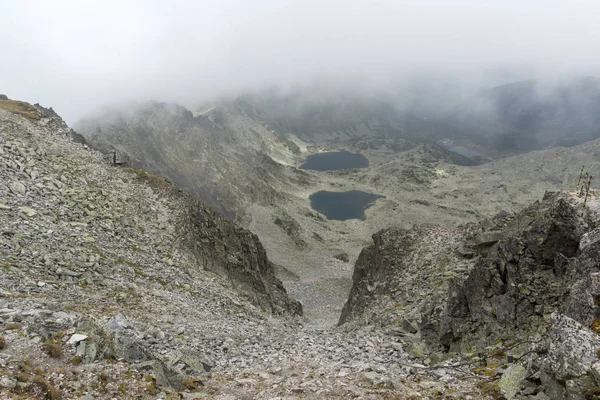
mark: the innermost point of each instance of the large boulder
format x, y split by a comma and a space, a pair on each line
573, 348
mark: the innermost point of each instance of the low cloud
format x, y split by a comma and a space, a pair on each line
77, 56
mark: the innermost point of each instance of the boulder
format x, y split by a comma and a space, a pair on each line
582, 303
511, 380
573, 348
485, 239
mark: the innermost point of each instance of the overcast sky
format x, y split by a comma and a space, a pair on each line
77, 55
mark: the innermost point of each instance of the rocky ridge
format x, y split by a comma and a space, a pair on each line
516, 291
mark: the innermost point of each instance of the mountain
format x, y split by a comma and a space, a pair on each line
319, 116
531, 115
116, 283
237, 160
199, 151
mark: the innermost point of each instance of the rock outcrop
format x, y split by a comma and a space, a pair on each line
527, 283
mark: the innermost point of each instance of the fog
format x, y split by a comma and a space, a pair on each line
78, 55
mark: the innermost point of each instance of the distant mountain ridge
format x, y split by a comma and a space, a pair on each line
517, 116
531, 115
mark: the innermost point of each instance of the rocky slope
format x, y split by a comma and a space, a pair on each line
519, 291
115, 284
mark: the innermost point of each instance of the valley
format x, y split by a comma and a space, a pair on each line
292, 200
420, 182
185, 295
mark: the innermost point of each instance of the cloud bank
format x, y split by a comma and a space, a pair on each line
78, 55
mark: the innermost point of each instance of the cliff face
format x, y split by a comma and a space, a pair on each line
522, 284
234, 253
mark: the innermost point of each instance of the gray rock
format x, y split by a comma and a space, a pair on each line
30, 212
119, 323
369, 378
589, 238
17, 188
551, 388
487, 238
408, 327
8, 382
511, 380
130, 349
579, 388
596, 372
67, 272
573, 348
466, 251
581, 305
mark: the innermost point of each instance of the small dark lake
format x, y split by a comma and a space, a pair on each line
343, 205
335, 160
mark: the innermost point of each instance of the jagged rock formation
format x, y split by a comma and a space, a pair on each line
522, 284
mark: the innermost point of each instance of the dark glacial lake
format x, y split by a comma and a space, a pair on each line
335, 160
343, 205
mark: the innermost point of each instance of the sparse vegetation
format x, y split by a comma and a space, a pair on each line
192, 384
153, 180
53, 348
596, 326
50, 390
2, 342
12, 326
19, 107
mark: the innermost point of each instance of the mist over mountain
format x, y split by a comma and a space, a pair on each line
531, 114
78, 56
299, 199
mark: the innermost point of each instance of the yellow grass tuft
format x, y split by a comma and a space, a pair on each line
20, 108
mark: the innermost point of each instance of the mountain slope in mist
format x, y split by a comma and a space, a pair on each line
519, 116
218, 154
320, 115
531, 115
